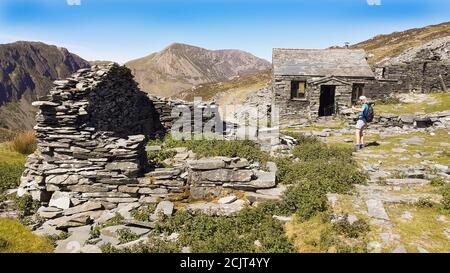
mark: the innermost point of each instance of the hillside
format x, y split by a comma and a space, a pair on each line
391, 45
180, 67
27, 70
241, 85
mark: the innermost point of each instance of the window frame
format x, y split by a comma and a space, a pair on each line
359, 91
297, 89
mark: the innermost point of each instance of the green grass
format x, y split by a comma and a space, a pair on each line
11, 167
7, 155
442, 103
431, 148
424, 229
318, 234
16, 238
208, 90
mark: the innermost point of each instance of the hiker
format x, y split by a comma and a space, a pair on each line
362, 121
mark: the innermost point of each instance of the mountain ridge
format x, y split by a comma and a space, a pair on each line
179, 67
27, 71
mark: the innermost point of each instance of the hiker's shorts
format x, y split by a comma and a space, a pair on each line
360, 124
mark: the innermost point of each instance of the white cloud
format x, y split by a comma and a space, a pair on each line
73, 2
373, 2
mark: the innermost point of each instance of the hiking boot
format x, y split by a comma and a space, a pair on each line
357, 147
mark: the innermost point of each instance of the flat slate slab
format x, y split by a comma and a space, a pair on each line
75, 242
376, 209
407, 181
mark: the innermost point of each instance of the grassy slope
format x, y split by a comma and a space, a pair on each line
391, 45
7, 156
19, 239
239, 84
439, 102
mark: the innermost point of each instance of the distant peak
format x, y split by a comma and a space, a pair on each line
180, 46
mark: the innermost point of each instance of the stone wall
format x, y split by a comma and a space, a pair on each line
418, 76
437, 119
165, 107
91, 131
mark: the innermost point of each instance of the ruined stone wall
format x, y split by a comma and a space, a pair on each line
91, 131
164, 108
419, 76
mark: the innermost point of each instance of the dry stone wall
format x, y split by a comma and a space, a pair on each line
91, 132
170, 110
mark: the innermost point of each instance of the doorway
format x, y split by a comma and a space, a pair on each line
326, 106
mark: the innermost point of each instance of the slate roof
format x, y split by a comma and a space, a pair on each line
321, 62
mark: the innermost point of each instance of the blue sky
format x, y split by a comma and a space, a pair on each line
121, 30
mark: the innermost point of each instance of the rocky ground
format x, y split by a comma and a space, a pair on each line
404, 166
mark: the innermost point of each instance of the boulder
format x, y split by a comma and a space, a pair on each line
227, 199
73, 221
164, 207
215, 209
60, 200
206, 164
75, 242
407, 181
227, 175
257, 197
88, 206
49, 212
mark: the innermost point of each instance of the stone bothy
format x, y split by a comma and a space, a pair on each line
309, 83
91, 132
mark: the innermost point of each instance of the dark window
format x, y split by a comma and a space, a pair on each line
298, 89
357, 91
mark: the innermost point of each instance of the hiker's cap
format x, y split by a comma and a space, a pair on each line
363, 98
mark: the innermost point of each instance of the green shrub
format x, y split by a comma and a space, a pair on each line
314, 150
425, 203
95, 230
26, 205
333, 177
206, 148
156, 159
351, 230
10, 175
143, 213
319, 169
446, 197
437, 182
125, 235
205, 233
306, 198
56, 237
